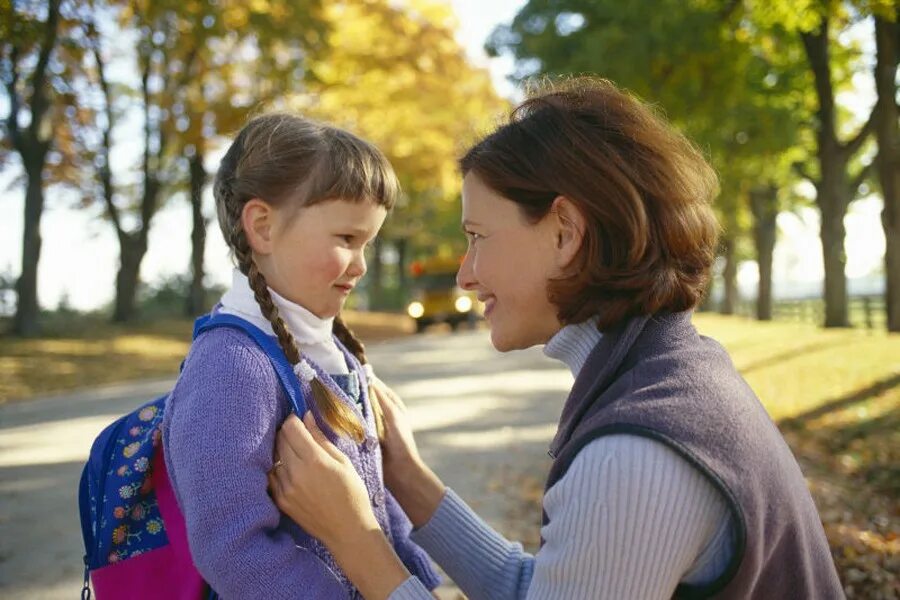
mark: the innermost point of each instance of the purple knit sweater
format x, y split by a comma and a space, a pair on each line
218, 438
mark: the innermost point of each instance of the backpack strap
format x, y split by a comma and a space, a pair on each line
280, 363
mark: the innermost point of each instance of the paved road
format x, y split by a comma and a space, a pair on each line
482, 420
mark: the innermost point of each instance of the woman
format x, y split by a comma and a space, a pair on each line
590, 231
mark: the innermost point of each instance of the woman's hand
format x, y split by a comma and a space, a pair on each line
315, 484
398, 448
414, 485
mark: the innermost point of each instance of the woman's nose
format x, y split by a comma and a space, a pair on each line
465, 277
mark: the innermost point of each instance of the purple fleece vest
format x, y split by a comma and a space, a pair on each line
657, 377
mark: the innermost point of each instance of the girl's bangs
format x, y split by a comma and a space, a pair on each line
354, 170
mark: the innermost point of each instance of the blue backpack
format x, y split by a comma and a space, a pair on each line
135, 539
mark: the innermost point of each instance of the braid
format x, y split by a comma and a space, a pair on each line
270, 312
346, 337
257, 281
337, 414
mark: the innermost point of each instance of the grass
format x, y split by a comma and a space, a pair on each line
86, 351
837, 388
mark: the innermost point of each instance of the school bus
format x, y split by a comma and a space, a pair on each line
437, 299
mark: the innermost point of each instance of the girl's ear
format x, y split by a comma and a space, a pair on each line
258, 222
569, 225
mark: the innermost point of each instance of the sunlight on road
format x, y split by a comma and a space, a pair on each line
494, 438
512, 382
51, 442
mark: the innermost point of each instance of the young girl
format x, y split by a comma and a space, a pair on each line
297, 202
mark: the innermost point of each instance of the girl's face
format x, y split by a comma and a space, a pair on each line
314, 257
508, 264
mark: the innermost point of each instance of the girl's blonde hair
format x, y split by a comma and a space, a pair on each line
282, 158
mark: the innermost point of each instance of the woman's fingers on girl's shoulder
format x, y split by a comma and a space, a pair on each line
275, 489
295, 437
390, 395
319, 437
397, 399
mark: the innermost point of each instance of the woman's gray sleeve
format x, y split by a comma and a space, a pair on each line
480, 561
608, 535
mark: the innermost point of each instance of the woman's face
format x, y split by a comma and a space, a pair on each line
508, 264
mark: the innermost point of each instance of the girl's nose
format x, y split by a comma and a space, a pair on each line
358, 265
465, 277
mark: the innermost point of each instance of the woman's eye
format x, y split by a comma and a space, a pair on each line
473, 237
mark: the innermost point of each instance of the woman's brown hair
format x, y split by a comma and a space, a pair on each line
644, 190
281, 158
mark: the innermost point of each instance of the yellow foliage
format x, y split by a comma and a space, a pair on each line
235, 17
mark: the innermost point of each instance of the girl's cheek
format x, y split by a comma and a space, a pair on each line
339, 263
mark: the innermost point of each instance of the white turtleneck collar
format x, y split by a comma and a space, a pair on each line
312, 334
573, 343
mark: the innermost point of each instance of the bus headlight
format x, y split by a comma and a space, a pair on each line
415, 310
463, 304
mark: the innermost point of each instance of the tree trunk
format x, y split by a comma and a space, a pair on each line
764, 205
32, 143
196, 301
834, 192
26, 323
132, 248
402, 247
729, 277
376, 273
832, 207
887, 132
706, 303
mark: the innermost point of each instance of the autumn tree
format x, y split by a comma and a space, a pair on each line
837, 173
36, 71
233, 75
268, 60
835, 186
190, 86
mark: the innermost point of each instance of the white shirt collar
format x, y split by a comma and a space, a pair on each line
307, 328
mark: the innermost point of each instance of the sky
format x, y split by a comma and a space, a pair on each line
79, 257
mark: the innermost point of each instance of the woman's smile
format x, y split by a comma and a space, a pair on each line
489, 302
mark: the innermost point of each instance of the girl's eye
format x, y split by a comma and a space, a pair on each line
346, 238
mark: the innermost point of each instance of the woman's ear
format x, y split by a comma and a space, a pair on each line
569, 226
258, 222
